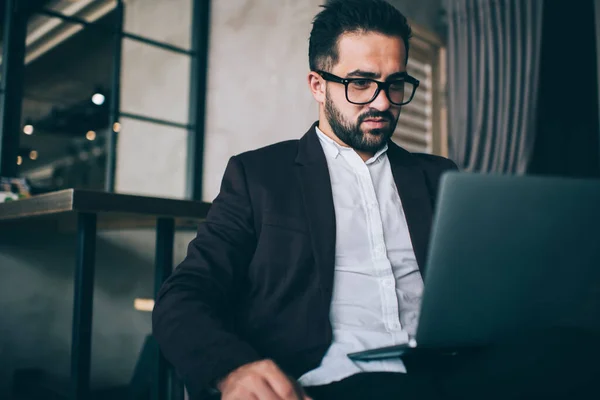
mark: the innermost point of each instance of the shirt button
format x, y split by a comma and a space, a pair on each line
395, 325
380, 249
388, 282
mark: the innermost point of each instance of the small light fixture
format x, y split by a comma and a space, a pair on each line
19, 160
98, 99
33, 155
91, 135
117, 127
28, 129
143, 304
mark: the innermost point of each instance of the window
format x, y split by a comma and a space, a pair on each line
422, 125
67, 72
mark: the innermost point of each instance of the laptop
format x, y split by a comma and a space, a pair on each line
507, 255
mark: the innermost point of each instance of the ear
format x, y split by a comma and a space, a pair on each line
317, 86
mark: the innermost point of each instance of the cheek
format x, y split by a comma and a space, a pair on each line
348, 111
358, 111
338, 98
353, 113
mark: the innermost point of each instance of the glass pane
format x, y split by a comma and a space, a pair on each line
151, 159
401, 92
65, 112
155, 82
164, 21
361, 91
44, 33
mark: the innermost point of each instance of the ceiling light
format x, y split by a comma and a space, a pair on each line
117, 127
33, 155
28, 129
91, 135
98, 99
19, 160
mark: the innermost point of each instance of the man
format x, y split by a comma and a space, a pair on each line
314, 248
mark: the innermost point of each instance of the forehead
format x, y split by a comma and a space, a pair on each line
372, 52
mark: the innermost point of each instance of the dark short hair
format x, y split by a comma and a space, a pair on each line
352, 16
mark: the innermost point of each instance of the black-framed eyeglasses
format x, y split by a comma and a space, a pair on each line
361, 91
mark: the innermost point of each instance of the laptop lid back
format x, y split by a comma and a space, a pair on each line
508, 255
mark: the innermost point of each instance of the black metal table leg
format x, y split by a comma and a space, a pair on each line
81, 341
166, 386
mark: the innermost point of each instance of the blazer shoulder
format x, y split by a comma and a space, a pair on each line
267, 154
434, 162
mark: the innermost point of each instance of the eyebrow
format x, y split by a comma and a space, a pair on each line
396, 75
373, 75
363, 74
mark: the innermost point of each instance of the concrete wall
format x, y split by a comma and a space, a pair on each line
258, 93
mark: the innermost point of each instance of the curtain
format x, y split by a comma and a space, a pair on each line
493, 72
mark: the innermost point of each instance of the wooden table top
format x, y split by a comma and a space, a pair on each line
114, 210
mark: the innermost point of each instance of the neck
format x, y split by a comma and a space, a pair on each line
327, 130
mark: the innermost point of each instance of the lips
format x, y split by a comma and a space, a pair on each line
376, 119
376, 123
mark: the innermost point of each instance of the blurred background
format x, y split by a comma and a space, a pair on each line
152, 97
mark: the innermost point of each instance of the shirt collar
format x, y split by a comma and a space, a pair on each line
333, 149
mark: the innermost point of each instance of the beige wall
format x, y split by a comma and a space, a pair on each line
257, 93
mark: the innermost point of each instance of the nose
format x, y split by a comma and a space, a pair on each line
381, 102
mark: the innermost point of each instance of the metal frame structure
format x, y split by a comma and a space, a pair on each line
597, 25
11, 86
13, 67
83, 303
197, 103
165, 385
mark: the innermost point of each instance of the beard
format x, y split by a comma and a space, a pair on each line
364, 140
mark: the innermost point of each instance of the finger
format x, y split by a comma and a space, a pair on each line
282, 385
240, 396
301, 393
261, 389
299, 390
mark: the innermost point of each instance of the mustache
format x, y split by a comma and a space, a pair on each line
386, 115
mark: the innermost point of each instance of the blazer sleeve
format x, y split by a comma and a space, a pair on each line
192, 317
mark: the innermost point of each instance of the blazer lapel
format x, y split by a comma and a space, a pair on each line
416, 200
313, 174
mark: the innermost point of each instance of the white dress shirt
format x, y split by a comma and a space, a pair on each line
377, 284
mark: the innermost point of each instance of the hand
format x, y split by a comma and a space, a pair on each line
260, 380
